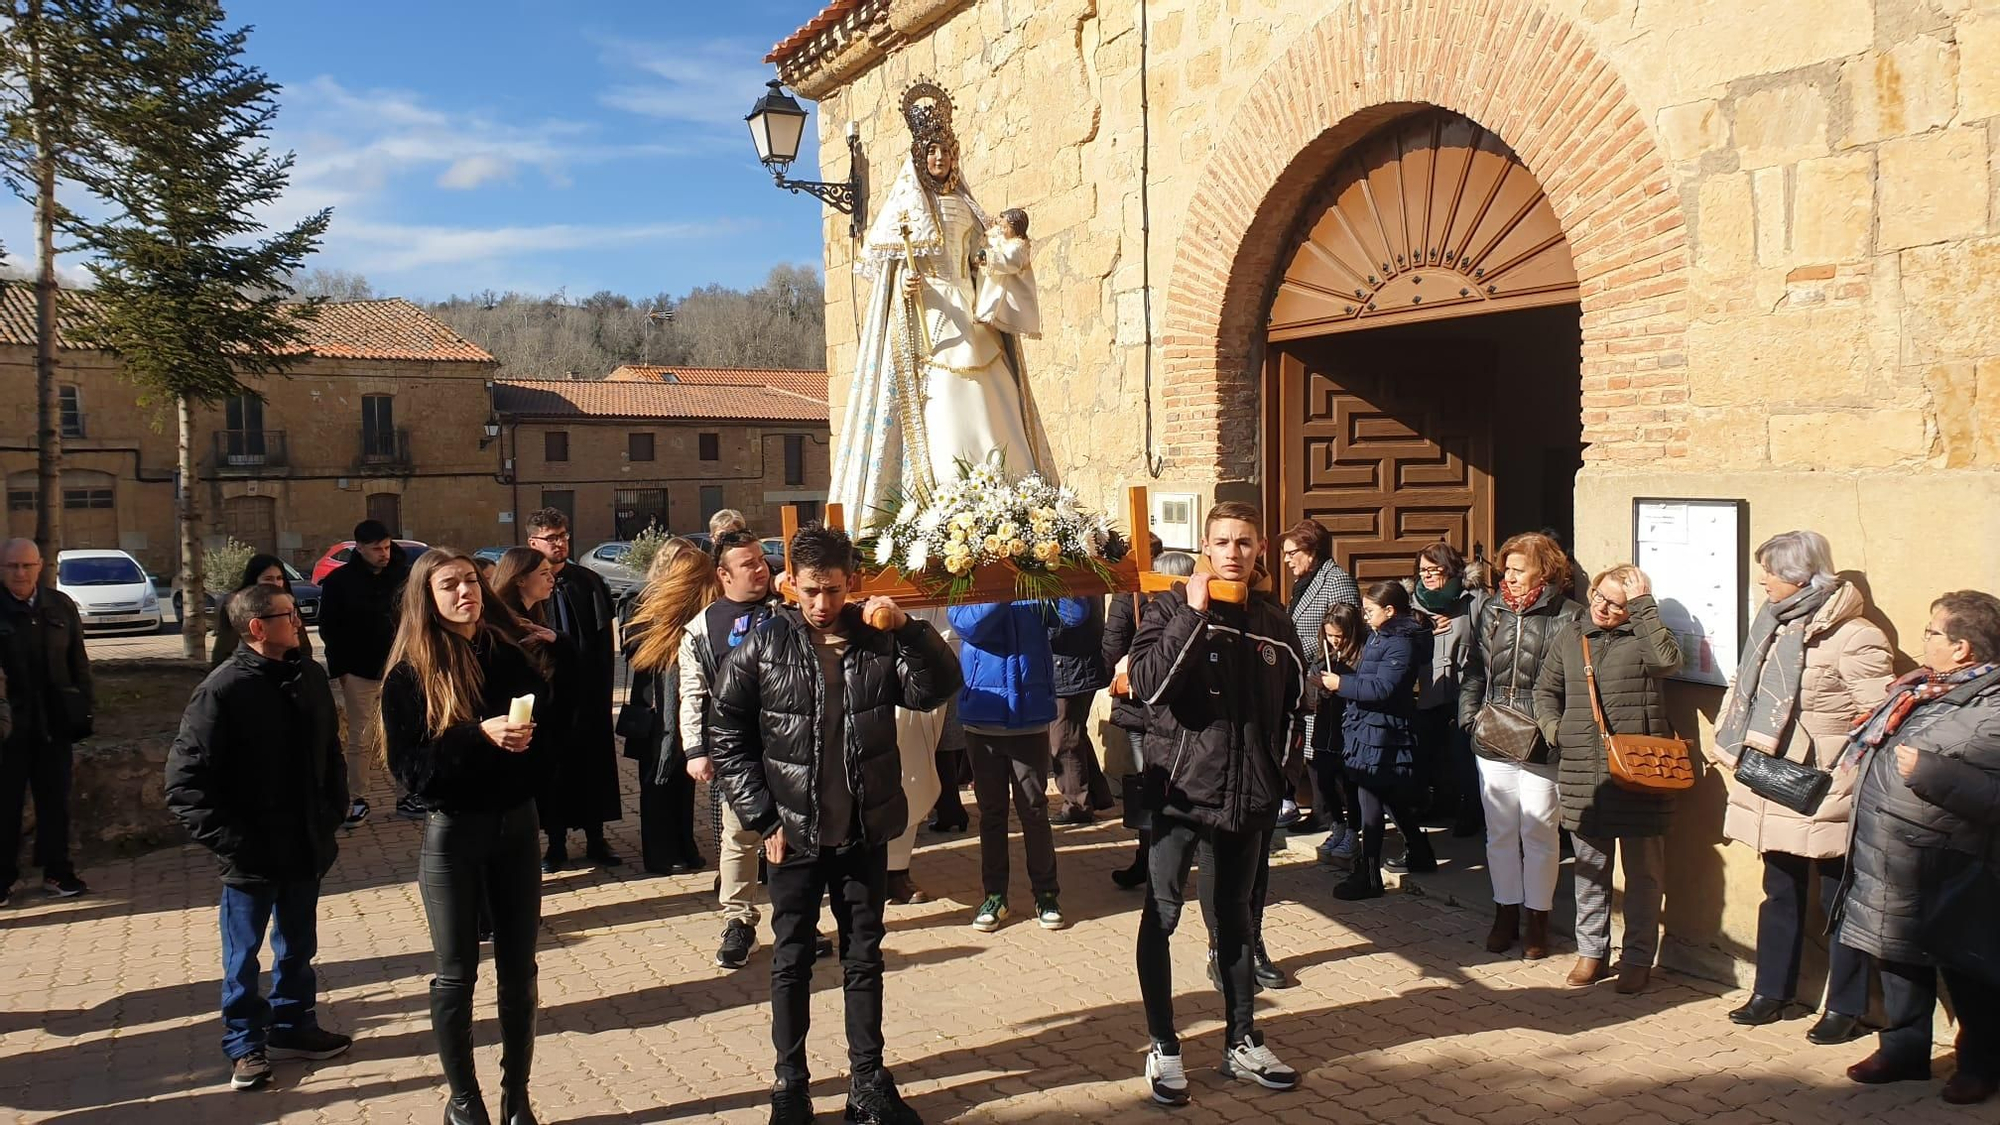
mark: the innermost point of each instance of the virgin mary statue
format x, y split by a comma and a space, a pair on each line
932, 385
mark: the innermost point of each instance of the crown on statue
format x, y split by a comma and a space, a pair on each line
927, 109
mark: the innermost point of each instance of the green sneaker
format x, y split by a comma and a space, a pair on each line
992, 912
1047, 912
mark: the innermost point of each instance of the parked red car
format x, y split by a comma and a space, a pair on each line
342, 551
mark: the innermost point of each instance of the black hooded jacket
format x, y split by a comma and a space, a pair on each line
766, 717
1222, 690
357, 614
256, 773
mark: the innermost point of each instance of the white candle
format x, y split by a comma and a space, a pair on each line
522, 710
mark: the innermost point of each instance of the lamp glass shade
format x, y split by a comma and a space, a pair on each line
777, 123
492, 429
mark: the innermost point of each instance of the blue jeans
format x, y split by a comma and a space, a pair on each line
290, 910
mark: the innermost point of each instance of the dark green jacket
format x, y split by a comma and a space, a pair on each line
1631, 660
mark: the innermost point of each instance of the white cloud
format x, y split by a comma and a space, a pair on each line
398, 246
468, 172
710, 84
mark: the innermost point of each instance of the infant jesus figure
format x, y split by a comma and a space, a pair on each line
1007, 278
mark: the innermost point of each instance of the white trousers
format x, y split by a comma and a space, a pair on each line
1523, 848
917, 739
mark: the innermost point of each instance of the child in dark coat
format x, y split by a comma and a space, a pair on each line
1379, 732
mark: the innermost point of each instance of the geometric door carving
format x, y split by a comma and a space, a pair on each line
1390, 448
1427, 218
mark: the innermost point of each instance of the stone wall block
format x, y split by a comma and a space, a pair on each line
1932, 188
1725, 224
1833, 208
1910, 88
1849, 440
1780, 125
1692, 129
1965, 407
1793, 357
1979, 66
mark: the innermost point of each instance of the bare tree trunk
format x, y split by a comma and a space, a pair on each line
194, 597
48, 404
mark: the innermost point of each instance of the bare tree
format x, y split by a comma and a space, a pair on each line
332, 284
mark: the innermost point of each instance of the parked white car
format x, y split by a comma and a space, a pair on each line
608, 560
110, 589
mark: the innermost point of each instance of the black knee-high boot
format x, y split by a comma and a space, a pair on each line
451, 1021
517, 1053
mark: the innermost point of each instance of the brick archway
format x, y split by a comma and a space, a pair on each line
1524, 73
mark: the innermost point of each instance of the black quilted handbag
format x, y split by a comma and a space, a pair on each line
1782, 781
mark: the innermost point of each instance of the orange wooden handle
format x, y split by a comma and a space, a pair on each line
880, 618
1221, 589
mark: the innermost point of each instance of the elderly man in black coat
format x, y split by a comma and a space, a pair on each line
256, 776
47, 681
585, 792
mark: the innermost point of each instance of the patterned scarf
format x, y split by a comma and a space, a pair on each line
1905, 696
1766, 696
1520, 603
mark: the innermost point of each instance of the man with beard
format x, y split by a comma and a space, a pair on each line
585, 792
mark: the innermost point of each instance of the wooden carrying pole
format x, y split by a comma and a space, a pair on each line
995, 583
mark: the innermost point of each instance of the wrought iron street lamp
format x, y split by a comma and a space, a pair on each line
777, 124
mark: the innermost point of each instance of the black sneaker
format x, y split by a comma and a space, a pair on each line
409, 808
822, 947
791, 1104
306, 1043
1129, 878
877, 1103
250, 1071
1421, 862
357, 811
1251, 1059
64, 886
738, 939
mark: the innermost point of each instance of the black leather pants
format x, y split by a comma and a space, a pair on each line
468, 857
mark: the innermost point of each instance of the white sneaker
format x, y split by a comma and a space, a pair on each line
1167, 1077
1253, 1060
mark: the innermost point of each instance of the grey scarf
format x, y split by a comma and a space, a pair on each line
1766, 695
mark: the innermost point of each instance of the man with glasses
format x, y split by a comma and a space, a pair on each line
585, 793
256, 777
49, 693
357, 624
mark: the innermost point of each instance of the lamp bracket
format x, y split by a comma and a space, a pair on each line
847, 198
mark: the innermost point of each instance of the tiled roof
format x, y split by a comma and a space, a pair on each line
623, 398
795, 42
391, 329
811, 384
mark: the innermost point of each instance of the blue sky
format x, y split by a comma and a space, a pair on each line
529, 145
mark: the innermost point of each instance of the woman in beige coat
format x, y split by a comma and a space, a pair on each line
1810, 665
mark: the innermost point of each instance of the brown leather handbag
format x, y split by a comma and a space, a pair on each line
1645, 763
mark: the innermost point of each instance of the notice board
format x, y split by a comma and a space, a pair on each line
1695, 551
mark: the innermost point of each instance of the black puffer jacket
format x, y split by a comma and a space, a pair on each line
358, 608
1121, 625
1952, 802
766, 716
1078, 649
1630, 660
1222, 690
1507, 652
460, 770
256, 774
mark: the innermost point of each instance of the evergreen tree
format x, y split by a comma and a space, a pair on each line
56, 57
192, 300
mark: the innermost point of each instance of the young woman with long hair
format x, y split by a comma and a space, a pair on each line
448, 736
680, 581
261, 570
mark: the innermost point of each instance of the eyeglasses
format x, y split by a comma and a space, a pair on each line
1930, 632
291, 614
1597, 599
1431, 571
1290, 551
559, 537
36, 565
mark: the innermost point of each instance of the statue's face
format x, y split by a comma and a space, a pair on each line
937, 161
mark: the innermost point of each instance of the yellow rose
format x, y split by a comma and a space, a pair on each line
1007, 530
993, 544
958, 564
1016, 547
957, 536
1048, 553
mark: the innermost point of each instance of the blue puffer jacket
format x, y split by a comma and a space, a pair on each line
1009, 668
1380, 728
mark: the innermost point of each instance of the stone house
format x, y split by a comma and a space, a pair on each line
668, 446
1461, 268
382, 417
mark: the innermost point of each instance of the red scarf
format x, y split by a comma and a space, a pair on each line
1521, 604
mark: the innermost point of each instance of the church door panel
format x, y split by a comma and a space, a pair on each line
1390, 449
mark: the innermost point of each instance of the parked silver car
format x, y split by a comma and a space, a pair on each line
608, 560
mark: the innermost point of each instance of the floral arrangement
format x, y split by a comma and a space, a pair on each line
984, 519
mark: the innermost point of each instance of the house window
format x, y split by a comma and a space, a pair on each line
86, 498
711, 446
809, 510
639, 447
243, 419
555, 445
20, 500
711, 500
71, 402
378, 425
636, 509
795, 459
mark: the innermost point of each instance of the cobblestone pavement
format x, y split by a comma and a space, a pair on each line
107, 1011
